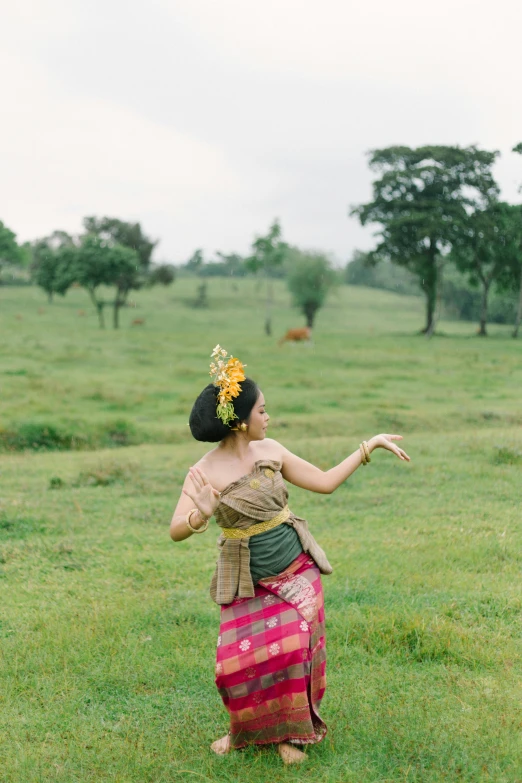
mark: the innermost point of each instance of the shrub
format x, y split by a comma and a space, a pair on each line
38, 436
77, 436
120, 433
507, 455
104, 475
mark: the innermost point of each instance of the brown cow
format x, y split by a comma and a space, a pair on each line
138, 322
297, 335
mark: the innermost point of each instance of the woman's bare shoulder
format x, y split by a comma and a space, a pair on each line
208, 460
270, 449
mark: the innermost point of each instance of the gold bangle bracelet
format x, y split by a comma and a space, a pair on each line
366, 451
363, 454
194, 529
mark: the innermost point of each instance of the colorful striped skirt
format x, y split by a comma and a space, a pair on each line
271, 659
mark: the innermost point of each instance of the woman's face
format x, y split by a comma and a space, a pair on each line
258, 419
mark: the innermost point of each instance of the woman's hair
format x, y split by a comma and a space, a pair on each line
204, 422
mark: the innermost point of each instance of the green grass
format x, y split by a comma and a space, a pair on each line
107, 631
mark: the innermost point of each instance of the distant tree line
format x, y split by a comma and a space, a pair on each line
112, 257
309, 275
443, 232
109, 259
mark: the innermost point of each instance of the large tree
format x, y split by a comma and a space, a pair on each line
485, 249
97, 264
128, 270
421, 199
268, 254
309, 280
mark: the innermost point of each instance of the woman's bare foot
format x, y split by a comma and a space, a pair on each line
290, 754
221, 746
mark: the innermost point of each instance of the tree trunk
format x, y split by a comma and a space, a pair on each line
99, 308
116, 314
430, 289
310, 310
518, 319
120, 300
201, 299
430, 286
483, 332
269, 298
430, 313
50, 297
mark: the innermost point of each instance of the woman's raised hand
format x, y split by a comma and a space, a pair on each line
202, 493
386, 442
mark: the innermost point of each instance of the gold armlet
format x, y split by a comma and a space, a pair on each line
365, 453
193, 529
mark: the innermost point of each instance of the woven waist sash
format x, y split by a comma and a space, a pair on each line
258, 527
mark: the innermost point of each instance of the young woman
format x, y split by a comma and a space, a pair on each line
270, 668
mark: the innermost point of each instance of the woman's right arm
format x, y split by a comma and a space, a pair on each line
197, 493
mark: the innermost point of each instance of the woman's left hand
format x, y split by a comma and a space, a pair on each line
387, 442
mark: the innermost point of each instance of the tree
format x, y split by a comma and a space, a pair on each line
128, 270
96, 263
162, 274
268, 255
51, 263
9, 250
196, 265
422, 199
485, 249
196, 262
310, 278
517, 261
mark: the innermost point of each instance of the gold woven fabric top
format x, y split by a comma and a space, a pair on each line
251, 504
259, 527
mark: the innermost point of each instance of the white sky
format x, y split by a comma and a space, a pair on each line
205, 119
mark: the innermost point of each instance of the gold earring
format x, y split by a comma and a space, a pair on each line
243, 426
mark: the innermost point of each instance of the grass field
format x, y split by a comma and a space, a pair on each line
107, 632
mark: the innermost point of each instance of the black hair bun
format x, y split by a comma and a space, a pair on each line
203, 421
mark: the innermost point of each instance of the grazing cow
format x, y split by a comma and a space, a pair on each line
138, 322
297, 335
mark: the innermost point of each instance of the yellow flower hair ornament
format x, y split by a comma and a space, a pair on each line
226, 373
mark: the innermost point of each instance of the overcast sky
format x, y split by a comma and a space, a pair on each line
205, 119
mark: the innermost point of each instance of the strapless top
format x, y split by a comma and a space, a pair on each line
256, 497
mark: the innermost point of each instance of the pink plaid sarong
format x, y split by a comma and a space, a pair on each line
271, 659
